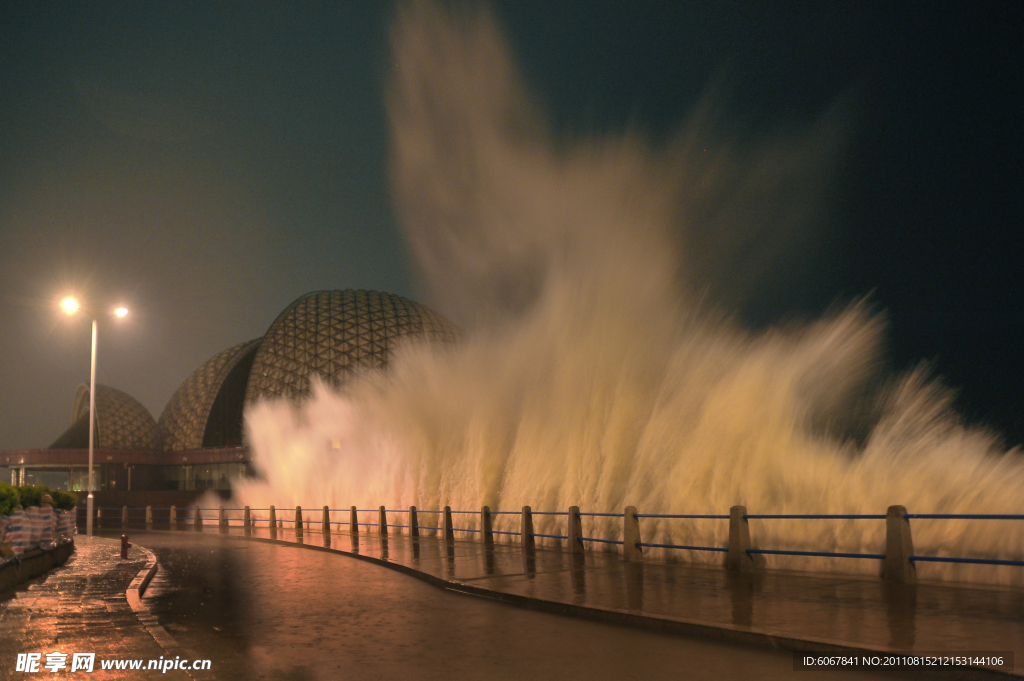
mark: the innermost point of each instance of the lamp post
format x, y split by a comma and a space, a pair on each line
70, 306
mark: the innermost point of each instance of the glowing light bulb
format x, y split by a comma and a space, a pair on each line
69, 305
121, 311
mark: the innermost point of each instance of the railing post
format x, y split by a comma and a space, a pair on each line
898, 548
149, 517
526, 529
739, 541
382, 522
124, 517
631, 536
173, 517
449, 532
272, 521
414, 522
575, 530
486, 530
198, 525
247, 522
99, 517
353, 521
222, 521
298, 522
325, 525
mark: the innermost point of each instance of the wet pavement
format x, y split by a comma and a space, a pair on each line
79, 607
770, 606
261, 610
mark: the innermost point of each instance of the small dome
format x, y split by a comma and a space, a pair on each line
335, 333
183, 423
121, 422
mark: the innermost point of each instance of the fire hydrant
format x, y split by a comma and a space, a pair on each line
124, 547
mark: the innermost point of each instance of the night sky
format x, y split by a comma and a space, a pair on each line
207, 163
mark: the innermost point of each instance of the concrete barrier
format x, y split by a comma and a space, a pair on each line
897, 566
737, 558
526, 529
631, 536
574, 530
486, 530
414, 522
32, 564
449, 532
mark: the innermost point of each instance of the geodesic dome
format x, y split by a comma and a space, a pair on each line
184, 421
334, 334
121, 422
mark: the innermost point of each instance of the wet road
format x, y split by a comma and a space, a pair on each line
262, 611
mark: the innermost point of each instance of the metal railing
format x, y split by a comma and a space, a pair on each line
899, 558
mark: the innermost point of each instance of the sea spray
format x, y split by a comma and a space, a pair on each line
594, 373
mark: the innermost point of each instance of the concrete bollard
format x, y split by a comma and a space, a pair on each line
414, 522
124, 517
222, 521
149, 517
247, 522
631, 536
198, 524
353, 521
298, 522
739, 541
486, 529
382, 522
526, 529
173, 518
575, 530
449, 532
325, 526
897, 566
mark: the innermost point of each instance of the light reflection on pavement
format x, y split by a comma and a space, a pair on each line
263, 611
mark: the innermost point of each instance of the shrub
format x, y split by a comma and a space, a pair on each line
9, 498
32, 495
64, 501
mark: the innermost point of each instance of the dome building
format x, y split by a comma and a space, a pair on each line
121, 422
330, 334
197, 443
200, 404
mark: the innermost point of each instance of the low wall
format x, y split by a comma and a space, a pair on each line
33, 564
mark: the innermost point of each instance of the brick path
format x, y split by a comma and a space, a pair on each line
79, 607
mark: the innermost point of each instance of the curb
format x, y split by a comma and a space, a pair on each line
137, 589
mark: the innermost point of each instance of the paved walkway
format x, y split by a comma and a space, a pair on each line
790, 610
79, 607
82, 606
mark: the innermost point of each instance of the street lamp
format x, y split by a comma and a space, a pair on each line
70, 306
